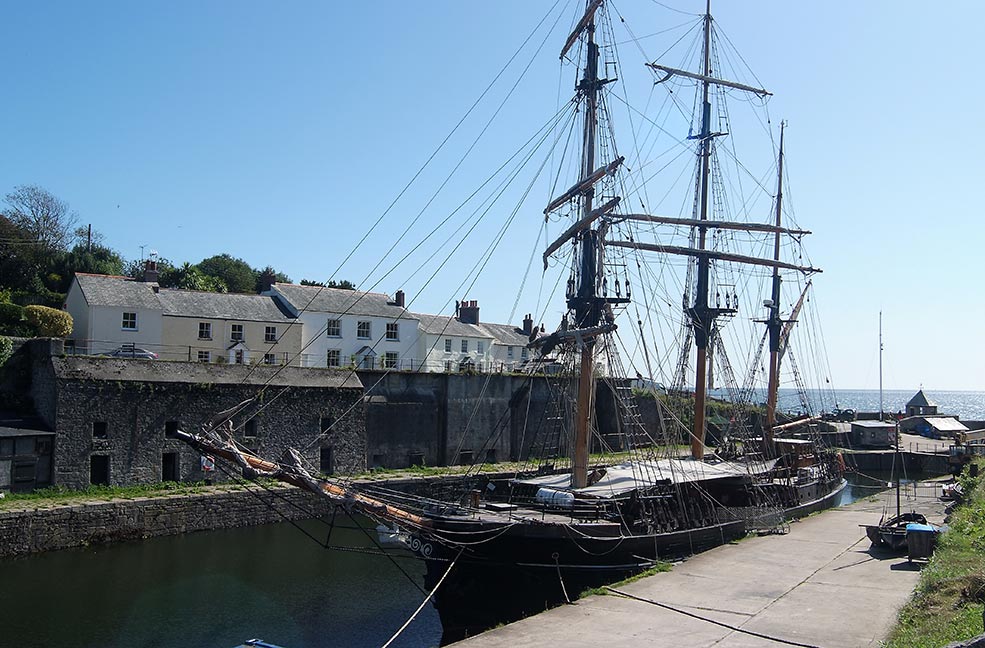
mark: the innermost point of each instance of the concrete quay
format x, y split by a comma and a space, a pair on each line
819, 585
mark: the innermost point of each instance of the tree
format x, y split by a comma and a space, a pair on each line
96, 259
191, 277
237, 274
45, 218
309, 282
344, 284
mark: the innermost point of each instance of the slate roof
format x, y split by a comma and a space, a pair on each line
192, 303
445, 325
506, 334
920, 400
338, 301
109, 290
130, 370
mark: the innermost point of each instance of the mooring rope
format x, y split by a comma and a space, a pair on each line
424, 602
712, 621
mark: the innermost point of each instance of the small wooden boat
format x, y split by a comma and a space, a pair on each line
891, 533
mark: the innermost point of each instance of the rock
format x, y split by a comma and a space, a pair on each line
976, 642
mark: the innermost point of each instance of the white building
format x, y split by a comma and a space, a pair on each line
343, 328
109, 311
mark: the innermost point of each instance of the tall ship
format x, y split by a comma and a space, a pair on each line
590, 505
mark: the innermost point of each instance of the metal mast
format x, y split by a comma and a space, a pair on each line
774, 325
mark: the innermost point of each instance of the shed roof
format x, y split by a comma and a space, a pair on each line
111, 290
920, 400
946, 424
873, 424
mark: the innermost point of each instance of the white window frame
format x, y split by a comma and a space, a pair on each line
391, 360
132, 318
338, 358
368, 326
269, 358
333, 328
393, 331
205, 356
205, 327
465, 346
232, 333
509, 352
270, 334
480, 347
447, 345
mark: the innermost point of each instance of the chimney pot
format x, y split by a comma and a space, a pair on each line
528, 325
469, 312
150, 271
399, 299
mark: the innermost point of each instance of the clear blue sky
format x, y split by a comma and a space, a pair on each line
278, 132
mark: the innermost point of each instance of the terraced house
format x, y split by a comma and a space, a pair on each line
117, 315
305, 326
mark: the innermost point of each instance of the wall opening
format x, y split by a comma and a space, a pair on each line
99, 470
465, 458
170, 427
169, 467
415, 458
491, 455
325, 460
99, 430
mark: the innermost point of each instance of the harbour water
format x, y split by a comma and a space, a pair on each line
215, 589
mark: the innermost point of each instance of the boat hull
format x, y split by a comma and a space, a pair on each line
529, 568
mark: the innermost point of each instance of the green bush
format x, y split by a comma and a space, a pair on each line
12, 321
6, 349
49, 322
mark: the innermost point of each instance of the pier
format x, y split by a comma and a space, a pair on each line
818, 585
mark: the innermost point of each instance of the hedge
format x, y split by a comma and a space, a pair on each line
49, 322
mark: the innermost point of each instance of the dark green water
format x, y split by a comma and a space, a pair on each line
214, 589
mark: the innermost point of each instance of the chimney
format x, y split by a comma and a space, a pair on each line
469, 312
150, 271
267, 282
528, 325
398, 299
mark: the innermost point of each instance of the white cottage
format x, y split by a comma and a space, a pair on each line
342, 328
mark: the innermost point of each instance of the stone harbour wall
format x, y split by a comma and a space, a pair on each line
64, 526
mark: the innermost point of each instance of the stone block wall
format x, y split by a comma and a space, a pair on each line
61, 527
127, 422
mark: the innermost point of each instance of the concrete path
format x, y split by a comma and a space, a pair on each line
819, 585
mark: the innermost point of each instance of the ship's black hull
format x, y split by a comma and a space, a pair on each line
528, 568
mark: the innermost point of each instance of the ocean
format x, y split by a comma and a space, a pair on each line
967, 405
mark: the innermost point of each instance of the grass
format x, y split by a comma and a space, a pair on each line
948, 602
658, 568
62, 495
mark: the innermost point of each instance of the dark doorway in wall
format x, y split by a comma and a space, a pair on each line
325, 461
169, 467
99, 470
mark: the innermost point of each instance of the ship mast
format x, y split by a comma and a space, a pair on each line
774, 325
701, 314
584, 302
